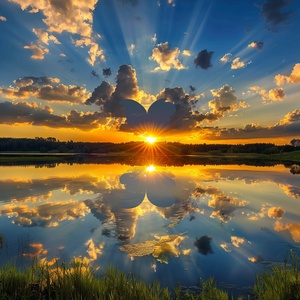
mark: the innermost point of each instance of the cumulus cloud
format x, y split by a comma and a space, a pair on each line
275, 212
225, 101
293, 229
106, 72
294, 77
38, 52
166, 57
224, 206
183, 117
226, 247
44, 37
226, 58
45, 88
46, 214
256, 45
289, 126
31, 113
186, 116
291, 117
3, 19
131, 48
31, 190
126, 88
93, 250
122, 102
109, 97
269, 96
272, 12
101, 94
203, 59
290, 190
154, 38
238, 64
170, 109
237, 241
272, 95
71, 16
186, 52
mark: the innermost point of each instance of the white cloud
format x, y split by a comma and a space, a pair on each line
131, 48
71, 16
238, 64
186, 52
256, 44
166, 57
226, 58
154, 38
3, 19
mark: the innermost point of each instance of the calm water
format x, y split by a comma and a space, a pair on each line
174, 224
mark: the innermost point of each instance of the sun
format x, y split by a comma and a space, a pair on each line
150, 140
150, 168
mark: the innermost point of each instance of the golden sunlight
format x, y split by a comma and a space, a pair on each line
150, 168
150, 139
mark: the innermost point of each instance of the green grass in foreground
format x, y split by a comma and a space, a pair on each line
78, 281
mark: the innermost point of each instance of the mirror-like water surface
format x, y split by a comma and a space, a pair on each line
173, 224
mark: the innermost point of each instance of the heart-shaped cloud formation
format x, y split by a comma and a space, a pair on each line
158, 116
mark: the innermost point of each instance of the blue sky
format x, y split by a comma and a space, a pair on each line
229, 71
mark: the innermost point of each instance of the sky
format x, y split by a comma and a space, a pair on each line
197, 71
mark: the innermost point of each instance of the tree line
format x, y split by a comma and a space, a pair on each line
52, 145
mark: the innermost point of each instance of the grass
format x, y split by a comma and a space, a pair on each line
78, 281
282, 283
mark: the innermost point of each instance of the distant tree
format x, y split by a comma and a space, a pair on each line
295, 142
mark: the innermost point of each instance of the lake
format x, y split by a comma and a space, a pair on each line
174, 224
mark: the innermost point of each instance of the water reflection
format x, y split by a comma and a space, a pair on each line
174, 224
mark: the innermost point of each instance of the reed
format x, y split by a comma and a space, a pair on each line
78, 280
281, 283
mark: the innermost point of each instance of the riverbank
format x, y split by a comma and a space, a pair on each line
24, 158
78, 281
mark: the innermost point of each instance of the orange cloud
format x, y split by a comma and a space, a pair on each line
293, 229
238, 64
38, 51
275, 212
294, 77
273, 95
237, 241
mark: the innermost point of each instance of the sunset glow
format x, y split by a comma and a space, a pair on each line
150, 168
150, 139
115, 71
